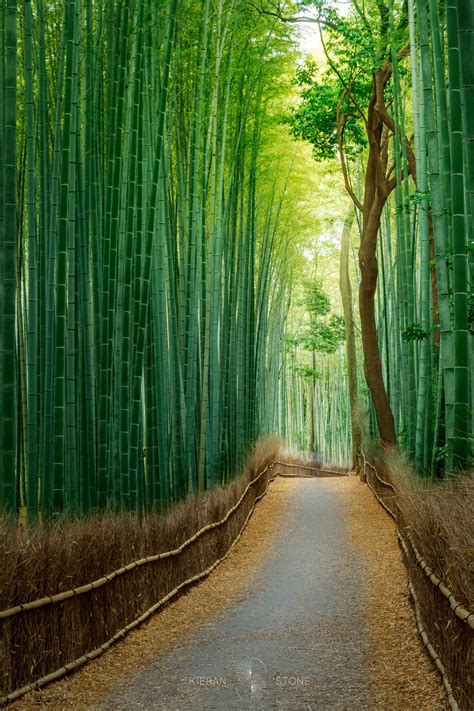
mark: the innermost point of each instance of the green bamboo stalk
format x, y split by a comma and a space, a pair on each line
32, 338
424, 375
439, 212
8, 271
465, 12
87, 384
136, 385
44, 185
108, 481
64, 464
351, 355
459, 442
405, 247
51, 266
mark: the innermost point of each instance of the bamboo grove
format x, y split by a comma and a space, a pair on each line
142, 243
434, 247
151, 242
396, 89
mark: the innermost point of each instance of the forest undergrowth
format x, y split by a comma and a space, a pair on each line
38, 561
437, 515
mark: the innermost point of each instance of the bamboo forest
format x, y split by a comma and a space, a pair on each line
237, 266
169, 281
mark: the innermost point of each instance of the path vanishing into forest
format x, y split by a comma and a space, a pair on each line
302, 615
289, 641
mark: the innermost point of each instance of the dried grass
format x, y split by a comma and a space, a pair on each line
439, 518
306, 459
38, 561
199, 606
290, 457
400, 671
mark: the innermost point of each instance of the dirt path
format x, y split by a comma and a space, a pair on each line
309, 612
296, 635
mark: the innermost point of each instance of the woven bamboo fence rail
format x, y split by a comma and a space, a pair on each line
464, 615
62, 596
81, 589
324, 472
83, 659
59, 597
411, 552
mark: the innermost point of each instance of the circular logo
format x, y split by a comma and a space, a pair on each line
251, 680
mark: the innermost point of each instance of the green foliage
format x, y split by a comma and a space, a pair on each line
414, 332
418, 198
315, 118
289, 341
307, 373
318, 302
325, 336
325, 331
440, 454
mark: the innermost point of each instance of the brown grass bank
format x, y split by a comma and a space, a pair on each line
41, 561
438, 518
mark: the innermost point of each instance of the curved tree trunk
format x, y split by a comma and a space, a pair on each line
379, 183
372, 360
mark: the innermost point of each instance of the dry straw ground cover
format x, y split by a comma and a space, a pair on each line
402, 675
39, 562
400, 671
439, 519
175, 623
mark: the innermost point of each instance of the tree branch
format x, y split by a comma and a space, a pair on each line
375, 136
341, 123
346, 86
389, 122
278, 13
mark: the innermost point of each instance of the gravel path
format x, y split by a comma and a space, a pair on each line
294, 640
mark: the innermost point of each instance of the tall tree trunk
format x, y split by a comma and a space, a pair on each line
372, 362
379, 183
346, 295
